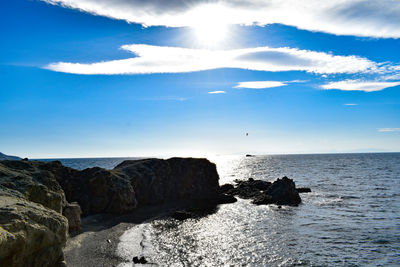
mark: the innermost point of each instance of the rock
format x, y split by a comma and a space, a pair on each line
31, 235
158, 181
225, 199
7, 157
98, 190
181, 215
250, 188
303, 190
33, 181
226, 188
72, 211
283, 192
141, 260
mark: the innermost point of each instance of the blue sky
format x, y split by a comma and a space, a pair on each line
85, 78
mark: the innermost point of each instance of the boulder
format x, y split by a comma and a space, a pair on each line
72, 211
30, 234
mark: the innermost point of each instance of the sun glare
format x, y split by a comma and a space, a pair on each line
209, 25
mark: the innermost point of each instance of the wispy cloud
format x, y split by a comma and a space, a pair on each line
372, 18
351, 104
358, 85
382, 130
260, 84
162, 59
217, 92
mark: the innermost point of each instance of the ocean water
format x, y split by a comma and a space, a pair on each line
351, 218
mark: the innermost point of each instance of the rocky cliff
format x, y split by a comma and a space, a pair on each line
34, 195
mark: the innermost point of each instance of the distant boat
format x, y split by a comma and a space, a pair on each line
249, 155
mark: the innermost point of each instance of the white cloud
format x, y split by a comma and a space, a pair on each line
372, 18
217, 92
389, 130
358, 85
160, 59
260, 84
351, 104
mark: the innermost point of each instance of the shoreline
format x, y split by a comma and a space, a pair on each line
97, 243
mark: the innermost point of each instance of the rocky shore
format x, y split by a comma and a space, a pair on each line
41, 202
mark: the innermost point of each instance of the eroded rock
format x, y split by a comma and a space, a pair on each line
30, 234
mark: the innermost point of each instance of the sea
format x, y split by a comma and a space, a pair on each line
351, 217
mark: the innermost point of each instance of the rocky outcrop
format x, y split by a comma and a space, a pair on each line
34, 195
281, 192
7, 157
32, 229
157, 181
33, 181
30, 234
98, 190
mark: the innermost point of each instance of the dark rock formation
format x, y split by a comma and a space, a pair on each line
303, 190
72, 211
157, 181
7, 157
281, 192
98, 190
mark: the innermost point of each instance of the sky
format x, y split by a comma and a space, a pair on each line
119, 78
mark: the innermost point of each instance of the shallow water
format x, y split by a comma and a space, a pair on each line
351, 218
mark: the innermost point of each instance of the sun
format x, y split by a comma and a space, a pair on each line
209, 26
210, 34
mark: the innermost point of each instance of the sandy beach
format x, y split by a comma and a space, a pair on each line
108, 240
